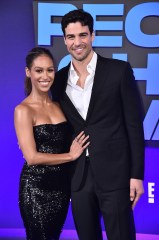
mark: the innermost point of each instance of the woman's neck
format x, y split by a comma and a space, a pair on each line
39, 98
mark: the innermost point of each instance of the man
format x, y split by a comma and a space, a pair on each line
99, 96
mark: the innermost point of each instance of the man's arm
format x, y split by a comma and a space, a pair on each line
133, 115
134, 124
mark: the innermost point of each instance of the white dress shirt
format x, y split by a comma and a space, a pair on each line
80, 97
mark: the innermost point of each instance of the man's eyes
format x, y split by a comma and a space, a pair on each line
73, 37
70, 37
83, 35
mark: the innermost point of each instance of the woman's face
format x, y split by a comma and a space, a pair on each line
41, 73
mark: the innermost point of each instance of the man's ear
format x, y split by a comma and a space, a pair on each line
93, 36
64, 38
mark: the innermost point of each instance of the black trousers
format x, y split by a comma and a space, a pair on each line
89, 204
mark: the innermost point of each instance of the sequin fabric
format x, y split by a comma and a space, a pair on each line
44, 192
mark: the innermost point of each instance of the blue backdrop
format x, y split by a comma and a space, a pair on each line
17, 37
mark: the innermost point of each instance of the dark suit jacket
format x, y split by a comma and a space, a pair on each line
114, 124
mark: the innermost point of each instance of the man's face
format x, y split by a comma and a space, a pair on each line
78, 40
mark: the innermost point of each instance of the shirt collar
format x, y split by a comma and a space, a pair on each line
73, 77
92, 64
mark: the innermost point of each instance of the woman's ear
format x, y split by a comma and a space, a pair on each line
27, 72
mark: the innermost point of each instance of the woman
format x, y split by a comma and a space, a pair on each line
44, 136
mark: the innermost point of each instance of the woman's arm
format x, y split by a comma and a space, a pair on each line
24, 131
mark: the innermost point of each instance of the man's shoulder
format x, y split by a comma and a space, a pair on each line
112, 61
63, 70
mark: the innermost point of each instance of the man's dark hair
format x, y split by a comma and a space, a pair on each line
78, 15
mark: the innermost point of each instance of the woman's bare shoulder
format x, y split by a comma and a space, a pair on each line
23, 109
23, 106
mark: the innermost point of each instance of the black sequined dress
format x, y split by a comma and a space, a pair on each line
44, 192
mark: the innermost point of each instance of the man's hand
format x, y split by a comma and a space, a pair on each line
136, 190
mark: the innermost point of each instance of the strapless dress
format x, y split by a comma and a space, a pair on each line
44, 192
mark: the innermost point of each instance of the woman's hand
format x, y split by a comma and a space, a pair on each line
78, 145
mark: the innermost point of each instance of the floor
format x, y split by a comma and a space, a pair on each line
19, 234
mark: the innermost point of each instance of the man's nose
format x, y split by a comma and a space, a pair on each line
77, 41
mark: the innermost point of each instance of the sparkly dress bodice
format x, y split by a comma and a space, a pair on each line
52, 138
44, 192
